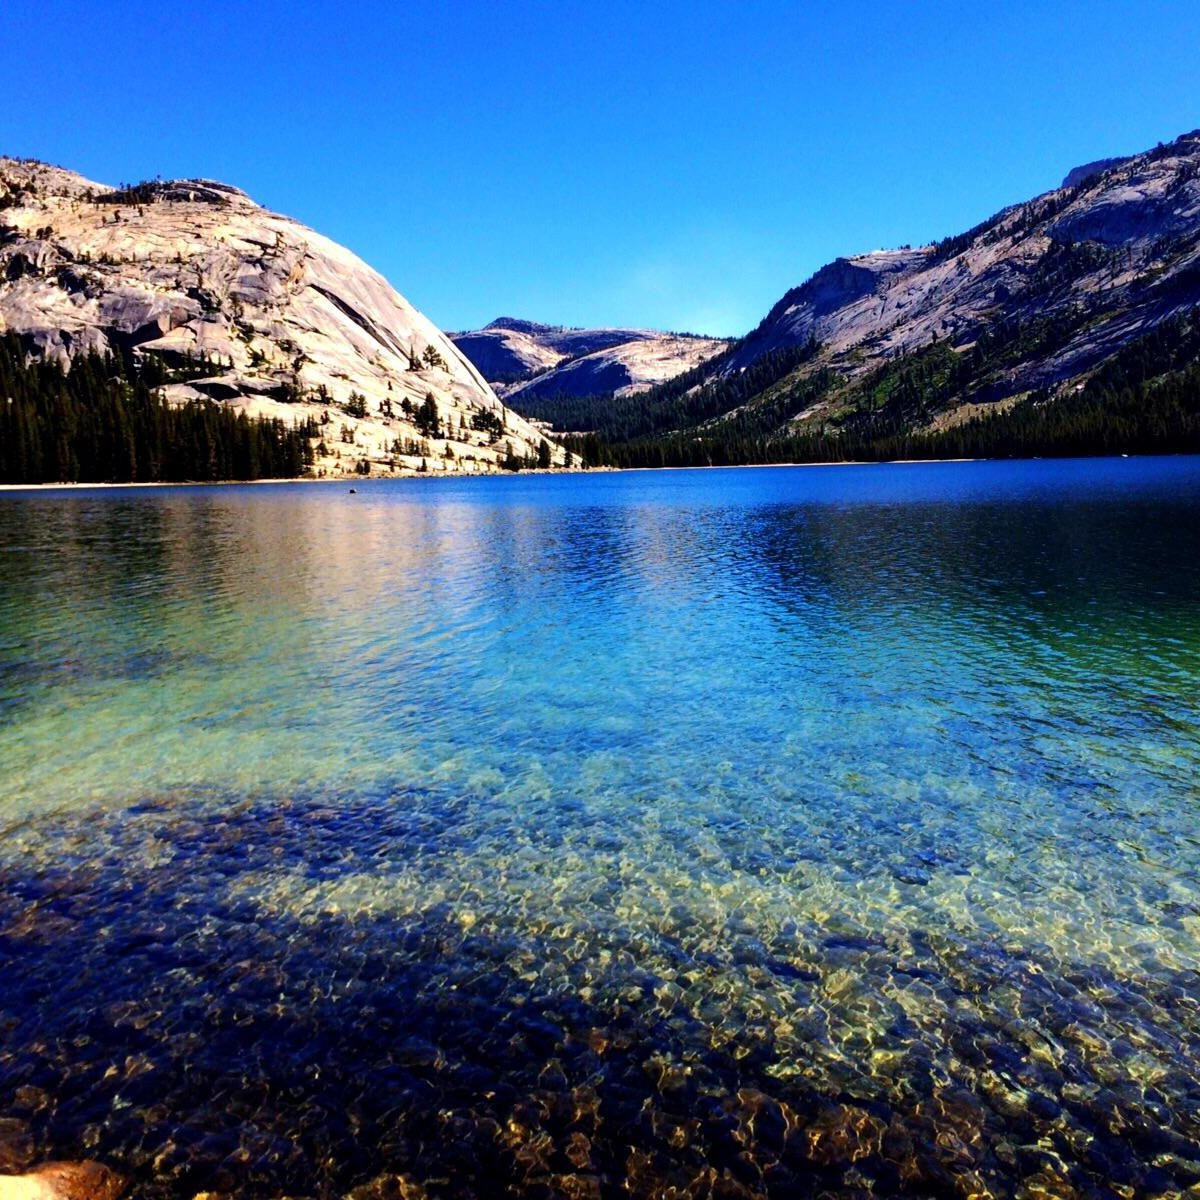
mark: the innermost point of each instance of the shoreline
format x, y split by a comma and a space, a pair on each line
354, 480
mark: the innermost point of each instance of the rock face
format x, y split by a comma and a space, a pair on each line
1108, 256
524, 358
504, 353
1088, 170
289, 323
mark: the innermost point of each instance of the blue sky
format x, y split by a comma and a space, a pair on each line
677, 165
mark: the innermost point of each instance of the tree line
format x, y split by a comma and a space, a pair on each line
104, 421
698, 395
1144, 399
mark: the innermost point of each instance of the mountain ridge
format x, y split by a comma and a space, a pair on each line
251, 309
261, 313
1028, 303
531, 359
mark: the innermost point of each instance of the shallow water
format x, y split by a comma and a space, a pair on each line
790, 832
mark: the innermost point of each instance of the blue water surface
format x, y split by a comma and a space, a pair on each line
782, 831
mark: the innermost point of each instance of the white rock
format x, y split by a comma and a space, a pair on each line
527, 358
203, 270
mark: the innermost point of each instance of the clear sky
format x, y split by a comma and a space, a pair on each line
676, 165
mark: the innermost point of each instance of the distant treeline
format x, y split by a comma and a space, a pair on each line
679, 403
1145, 399
103, 421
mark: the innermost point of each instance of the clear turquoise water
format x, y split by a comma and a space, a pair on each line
761, 832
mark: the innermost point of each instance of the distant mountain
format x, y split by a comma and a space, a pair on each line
888, 350
193, 282
508, 350
1069, 323
526, 361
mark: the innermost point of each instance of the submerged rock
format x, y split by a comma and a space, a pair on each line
282, 1046
64, 1181
16, 1144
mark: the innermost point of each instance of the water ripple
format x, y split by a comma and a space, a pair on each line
736, 833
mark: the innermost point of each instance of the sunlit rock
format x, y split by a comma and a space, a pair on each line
248, 308
64, 1181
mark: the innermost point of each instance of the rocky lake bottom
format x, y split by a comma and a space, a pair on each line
823, 832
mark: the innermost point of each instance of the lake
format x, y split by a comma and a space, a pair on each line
761, 832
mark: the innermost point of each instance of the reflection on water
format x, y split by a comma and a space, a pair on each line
732, 833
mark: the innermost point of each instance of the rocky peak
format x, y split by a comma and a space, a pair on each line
529, 359
247, 307
1103, 258
517, 325
1089, 171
